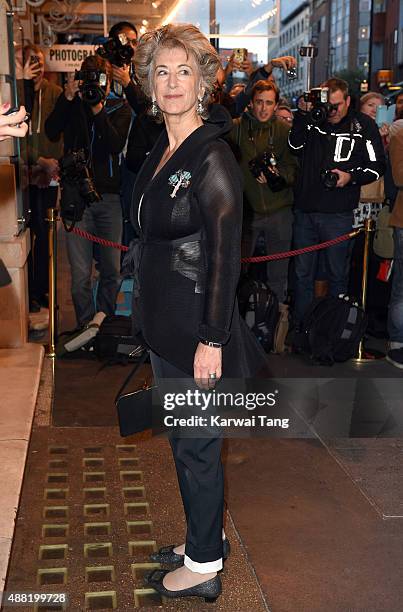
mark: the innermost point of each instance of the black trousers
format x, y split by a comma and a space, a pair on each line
200, 477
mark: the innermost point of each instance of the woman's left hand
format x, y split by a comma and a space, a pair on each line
208, 360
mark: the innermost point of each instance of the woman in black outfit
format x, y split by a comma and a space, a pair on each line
187, 209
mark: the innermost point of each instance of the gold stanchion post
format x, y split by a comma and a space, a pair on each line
364, 355
52, 231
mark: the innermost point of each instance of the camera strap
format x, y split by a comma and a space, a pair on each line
270, 139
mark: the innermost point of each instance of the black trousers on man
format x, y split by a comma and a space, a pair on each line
200, 476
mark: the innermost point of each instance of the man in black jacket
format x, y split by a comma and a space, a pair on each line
347, 145
101, 130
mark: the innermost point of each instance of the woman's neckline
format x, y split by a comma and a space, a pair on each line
168, 161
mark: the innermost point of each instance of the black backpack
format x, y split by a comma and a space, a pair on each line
115, 340
258, 305
331, 330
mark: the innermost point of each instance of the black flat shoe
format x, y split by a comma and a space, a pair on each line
167, 556
209, 590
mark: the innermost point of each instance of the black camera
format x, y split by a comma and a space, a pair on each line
117, 50
93, 86
77, 187
265, 162
319, 98
329, 179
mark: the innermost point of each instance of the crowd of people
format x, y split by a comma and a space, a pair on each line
304, 181
166, 151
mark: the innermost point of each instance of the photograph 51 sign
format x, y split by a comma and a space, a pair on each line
67, 58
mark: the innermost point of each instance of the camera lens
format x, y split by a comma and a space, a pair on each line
318, 114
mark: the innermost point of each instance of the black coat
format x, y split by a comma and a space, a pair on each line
104, 135
352, 145
190, 258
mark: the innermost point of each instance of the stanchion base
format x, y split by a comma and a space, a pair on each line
368, 355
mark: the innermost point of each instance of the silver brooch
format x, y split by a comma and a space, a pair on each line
181, 178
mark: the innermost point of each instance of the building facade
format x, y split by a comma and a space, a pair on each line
294, 34
320, 30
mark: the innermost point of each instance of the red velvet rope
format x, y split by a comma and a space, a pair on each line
275, 256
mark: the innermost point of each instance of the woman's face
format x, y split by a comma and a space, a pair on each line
370, 106
176, 82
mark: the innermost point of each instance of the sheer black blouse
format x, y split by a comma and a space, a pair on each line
189, 217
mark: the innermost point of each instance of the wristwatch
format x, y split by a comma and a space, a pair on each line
213, 344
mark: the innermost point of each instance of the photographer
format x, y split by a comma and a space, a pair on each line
119, 51
122, 70
43, 154
340, 150
269, 171
96, 126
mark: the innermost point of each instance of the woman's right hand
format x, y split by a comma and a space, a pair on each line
12, 125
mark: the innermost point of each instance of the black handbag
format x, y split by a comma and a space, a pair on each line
134, 409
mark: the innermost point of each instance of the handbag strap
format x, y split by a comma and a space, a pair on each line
132, 372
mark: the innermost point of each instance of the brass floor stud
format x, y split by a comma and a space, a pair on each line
48, 608
93, 462
100, 573
134, 492
50, 512
145, 598
139, 570
94, 493
94, 529
98, 550
53, 551
58, 450
139, 509
128, 462
131, 476
55, 494
54, 575
93, 476
126, 448
55, 477
104, 600
139, 528
55, 531
96, 510
58, 464
141, 549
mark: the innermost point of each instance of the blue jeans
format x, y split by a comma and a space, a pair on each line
395, 315
313, 228
104, 219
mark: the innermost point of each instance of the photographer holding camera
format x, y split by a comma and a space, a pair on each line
269, 172
95, 130
339, 150
119, 51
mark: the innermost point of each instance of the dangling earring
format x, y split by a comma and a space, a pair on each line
199, 107
154, 108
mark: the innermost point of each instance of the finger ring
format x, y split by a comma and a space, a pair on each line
213, 375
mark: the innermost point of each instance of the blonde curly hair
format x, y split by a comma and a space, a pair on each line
184, 36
